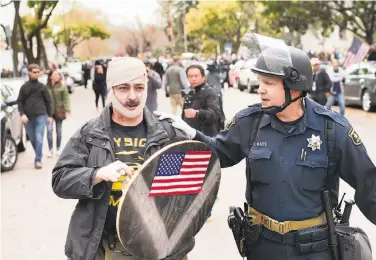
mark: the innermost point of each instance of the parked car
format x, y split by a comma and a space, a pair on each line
68, 81
13, 133
247, 79
74, 70
360, 85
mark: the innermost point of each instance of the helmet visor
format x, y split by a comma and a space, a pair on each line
273, 51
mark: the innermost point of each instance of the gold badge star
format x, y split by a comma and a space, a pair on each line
314, 142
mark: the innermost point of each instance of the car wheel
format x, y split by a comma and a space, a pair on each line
366, 101
21, 147
10, 154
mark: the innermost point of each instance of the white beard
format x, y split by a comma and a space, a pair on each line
116, 104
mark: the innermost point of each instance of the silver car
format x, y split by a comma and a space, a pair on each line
13, 133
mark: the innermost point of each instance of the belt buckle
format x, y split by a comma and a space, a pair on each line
276, 226
284, 227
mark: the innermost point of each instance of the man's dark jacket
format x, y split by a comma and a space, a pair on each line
34, 99
206, 101
323, 85
73, 176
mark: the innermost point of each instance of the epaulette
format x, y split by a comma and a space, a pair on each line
334, 116
249, 111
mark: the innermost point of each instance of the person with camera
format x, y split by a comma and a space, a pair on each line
201, 104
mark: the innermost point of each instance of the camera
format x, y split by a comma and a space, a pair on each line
214, 66
187, 94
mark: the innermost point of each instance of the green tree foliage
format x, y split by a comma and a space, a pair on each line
77, 26
31, 27
298, 16
216, 23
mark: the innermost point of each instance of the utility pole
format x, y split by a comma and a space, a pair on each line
184, 28
171, 23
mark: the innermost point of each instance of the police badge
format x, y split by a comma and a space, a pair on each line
314, 142
166, 203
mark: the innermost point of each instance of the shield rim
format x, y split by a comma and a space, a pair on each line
134, 177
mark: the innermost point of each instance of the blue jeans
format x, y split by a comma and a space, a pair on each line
35, 131
59, 124
341, 102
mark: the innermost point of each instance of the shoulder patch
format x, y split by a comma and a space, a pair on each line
354, 136
334, 116
249, 111
230, 123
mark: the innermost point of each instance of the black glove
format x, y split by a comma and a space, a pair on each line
167, 95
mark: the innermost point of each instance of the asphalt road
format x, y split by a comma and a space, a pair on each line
34, 220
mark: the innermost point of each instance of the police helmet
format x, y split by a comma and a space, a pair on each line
298, 77
276, 59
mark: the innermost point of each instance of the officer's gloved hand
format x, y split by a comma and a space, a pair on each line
177, 123
113, 172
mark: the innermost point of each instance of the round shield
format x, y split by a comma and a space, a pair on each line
167, 201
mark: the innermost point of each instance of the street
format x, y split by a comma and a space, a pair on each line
35, 220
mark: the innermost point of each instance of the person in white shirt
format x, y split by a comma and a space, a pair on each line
336, 75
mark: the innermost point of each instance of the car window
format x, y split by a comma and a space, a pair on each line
4, 94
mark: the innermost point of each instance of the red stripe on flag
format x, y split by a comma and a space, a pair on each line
176, 186
198, 153
179, 180
192, 172
191, 192
194, 166
196, 159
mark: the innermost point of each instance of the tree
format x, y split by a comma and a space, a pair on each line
173, 13
358, 17
77, 26
293, 18
30, 28
222, 22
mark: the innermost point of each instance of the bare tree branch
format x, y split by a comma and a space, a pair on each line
3, 5
44, 23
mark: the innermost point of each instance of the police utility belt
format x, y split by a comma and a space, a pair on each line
307, 236
286, 226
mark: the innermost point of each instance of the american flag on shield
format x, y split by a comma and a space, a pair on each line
358, 50
180, 173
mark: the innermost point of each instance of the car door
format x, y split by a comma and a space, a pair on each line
352, 84
14, 114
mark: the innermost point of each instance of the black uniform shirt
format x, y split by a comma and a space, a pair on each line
286, 172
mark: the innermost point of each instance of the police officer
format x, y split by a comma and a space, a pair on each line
284, 140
